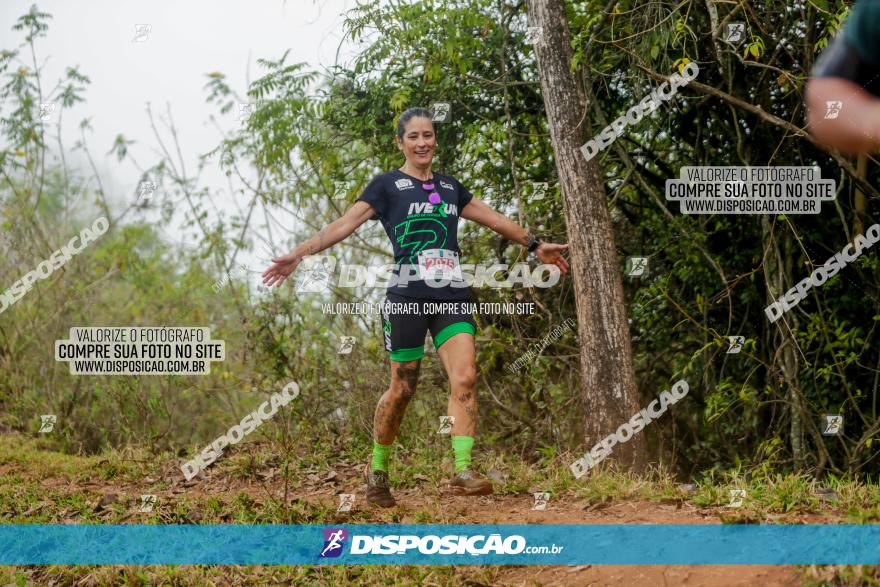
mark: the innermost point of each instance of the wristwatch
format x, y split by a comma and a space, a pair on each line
534, 244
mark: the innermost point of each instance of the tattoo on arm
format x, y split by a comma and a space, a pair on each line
313, 248
526, 239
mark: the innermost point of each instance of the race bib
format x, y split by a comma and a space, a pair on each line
439, 264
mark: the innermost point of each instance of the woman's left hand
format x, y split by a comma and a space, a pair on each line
551, 254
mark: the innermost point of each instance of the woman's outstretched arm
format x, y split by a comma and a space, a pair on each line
335, 232
482, 213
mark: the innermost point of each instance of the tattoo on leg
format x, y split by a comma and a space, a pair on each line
469, 403
408, 373
391, 407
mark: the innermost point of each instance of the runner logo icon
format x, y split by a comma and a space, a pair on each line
334, 538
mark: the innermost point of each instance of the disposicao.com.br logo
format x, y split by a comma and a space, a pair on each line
334, 539
479, 544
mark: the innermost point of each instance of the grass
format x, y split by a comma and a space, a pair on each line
201, 575
41, 485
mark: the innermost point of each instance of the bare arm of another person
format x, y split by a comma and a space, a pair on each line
856, 129
335, 232
843, 94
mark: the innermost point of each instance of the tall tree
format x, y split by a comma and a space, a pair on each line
609, 394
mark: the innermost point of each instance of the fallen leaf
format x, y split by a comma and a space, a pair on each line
106, 501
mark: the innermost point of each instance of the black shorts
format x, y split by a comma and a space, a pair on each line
405, 321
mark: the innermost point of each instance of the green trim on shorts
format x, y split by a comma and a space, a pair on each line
452, 330
413, 354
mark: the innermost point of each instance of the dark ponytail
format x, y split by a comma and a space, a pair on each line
408, 115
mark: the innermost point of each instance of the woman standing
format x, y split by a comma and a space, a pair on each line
419, 210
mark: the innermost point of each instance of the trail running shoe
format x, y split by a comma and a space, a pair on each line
469, 483
377, 488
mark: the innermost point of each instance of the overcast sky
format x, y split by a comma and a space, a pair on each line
167, 65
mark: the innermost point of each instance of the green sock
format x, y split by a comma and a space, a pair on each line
381, 452
461, 446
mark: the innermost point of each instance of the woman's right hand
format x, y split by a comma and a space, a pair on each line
281, 267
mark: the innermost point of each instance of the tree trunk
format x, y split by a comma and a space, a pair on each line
861, 202
609, 395
778, 272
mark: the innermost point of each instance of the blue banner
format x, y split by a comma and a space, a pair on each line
39, 544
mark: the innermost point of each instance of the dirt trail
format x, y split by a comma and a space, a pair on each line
428, 501
442, 506
516, 510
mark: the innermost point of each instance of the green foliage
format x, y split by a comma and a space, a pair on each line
709, 278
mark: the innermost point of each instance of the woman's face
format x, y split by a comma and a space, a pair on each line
418, 142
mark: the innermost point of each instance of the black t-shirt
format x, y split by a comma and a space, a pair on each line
424, 235
855, 53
